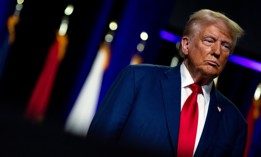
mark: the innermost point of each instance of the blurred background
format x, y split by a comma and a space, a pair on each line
58, 59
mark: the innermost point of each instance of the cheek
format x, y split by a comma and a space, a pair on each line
202, 49
200, 52
223, 61
223, 58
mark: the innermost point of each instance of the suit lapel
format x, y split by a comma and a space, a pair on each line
171, 86
171, 89
211, 125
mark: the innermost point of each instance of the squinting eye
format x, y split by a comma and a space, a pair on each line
207, 42
227, 47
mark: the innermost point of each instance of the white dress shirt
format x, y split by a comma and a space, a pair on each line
203, 99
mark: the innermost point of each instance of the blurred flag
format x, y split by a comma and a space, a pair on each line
136, 59
9, 37
81, 115
39, 99
84, 108
253, 119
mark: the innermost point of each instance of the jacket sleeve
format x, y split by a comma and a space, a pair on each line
240, 143
113, 111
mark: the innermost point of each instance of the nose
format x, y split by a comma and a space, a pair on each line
216, 49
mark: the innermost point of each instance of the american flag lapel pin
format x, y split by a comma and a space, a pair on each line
219, 108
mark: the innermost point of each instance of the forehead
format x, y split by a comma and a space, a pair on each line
217, 31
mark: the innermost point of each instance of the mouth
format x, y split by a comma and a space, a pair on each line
213, 63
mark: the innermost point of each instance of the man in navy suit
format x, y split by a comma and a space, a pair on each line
140, 115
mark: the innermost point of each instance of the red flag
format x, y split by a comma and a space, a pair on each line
39, 100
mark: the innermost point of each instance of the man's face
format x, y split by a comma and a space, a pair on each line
207, 51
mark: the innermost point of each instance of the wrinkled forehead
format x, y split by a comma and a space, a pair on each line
221, 25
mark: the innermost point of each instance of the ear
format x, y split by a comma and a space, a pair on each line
185, 44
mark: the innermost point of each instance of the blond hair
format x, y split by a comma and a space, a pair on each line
206, 16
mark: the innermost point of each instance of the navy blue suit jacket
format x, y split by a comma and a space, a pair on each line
140, 114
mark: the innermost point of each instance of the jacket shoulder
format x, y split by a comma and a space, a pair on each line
149, 68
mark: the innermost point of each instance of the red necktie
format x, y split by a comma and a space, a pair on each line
188, 123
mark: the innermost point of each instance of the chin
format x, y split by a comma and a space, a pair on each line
212, 70
211, 74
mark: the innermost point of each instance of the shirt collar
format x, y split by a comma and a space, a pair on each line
186, 79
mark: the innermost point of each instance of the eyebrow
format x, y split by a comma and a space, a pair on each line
213, 37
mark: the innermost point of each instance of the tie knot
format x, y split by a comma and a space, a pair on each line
195, 88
